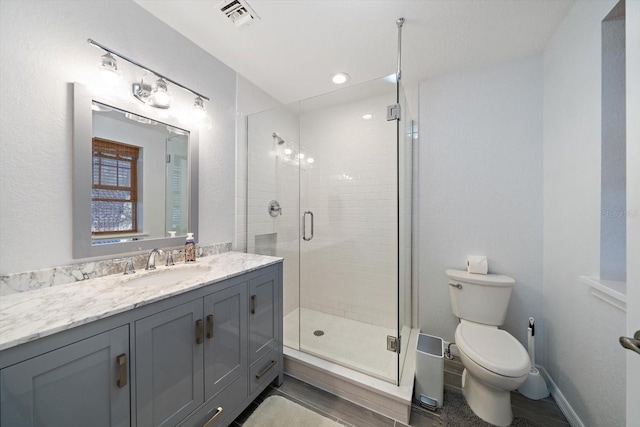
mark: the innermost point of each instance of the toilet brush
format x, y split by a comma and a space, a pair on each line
534, 387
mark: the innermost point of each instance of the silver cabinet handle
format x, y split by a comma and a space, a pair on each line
123, 372
304, 226
210, 326
632, 344
200, 331
265, 370
215, 416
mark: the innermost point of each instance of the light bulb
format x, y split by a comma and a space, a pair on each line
160, 96
109, 73
198, 111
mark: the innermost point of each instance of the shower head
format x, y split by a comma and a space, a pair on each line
277, 139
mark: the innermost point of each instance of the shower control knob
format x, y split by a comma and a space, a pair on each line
274, 208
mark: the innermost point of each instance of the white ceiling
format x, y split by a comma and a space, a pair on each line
296, 46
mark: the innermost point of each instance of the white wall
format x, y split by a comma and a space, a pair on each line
581, 332
480, 187
43, 48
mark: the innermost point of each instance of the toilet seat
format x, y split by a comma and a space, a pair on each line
493, 349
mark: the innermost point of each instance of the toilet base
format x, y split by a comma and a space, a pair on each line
490, 404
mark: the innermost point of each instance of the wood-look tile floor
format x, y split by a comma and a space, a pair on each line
544, 413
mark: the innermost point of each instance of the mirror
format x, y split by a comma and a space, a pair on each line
134, 177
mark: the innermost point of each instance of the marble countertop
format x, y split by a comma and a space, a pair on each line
27, 316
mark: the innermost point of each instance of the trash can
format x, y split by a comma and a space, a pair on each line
429, 385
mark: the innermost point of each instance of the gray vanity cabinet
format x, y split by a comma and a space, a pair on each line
82, 384
196, 358
265, 330
225, 347
263, 317
189, 354
169, 361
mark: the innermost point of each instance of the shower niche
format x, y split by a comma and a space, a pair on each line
341, 173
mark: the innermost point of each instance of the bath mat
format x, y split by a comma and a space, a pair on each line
278, 411
456, 413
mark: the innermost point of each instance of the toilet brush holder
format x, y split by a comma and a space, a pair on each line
534, 387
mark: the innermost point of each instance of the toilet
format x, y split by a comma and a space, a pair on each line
495, 363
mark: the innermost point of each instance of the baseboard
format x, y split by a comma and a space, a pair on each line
563, 403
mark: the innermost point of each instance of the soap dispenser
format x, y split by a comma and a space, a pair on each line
190, 249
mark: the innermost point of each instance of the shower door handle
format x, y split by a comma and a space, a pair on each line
304, 226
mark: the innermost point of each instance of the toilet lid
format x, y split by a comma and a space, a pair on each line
493, 349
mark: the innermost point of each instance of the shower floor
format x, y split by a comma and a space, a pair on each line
357, 345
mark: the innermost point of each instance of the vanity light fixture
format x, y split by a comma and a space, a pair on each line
340, 78
109, 69
158, 95
198, 108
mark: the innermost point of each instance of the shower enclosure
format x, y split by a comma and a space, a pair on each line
329, 190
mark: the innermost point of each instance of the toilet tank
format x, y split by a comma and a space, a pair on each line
480, 298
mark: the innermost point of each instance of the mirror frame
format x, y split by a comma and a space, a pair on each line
82, 166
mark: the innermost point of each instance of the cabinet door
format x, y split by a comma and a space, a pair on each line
82, 384
263, 321
169, 356
225, 354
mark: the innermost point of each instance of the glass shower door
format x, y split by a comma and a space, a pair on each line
329, 190
273, 182
349, 232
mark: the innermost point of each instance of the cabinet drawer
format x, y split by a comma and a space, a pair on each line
222, 405
264, 370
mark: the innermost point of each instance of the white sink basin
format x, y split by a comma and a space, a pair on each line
167, 275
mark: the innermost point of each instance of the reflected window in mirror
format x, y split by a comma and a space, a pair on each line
114, 192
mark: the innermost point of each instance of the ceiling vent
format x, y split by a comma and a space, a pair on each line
238, 11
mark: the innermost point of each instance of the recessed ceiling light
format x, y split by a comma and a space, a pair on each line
339, 78
367, 116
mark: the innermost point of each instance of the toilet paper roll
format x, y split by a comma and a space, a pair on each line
477, 264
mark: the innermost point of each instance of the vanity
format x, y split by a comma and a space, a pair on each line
186, 345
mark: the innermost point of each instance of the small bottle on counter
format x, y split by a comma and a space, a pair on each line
190, 249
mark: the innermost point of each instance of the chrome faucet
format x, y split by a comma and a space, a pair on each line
169, 258
151, 261
128, 267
